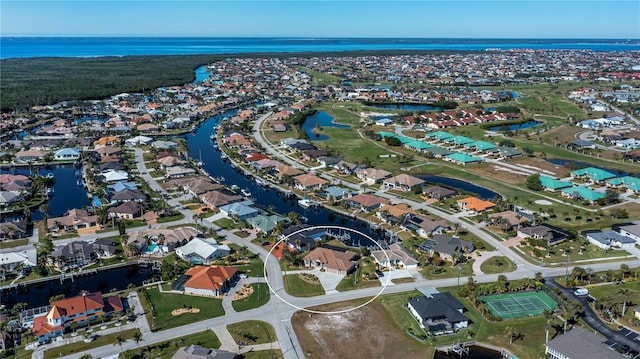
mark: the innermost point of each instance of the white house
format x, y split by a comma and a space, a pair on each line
66, 154
202, 251
608, 239
631, 231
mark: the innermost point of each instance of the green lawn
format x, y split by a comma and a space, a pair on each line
176, 217
446, 270
164, 303
228, 223
259, 297
498, 264
298, 287
263, 354
557, 254
81, 346
166, 350
252, 332
365, 276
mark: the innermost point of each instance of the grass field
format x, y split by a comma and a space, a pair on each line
446, 270
497, 264
81, 346
258, 298
365, 267
252, 332
166, 349
298, 287
164, 303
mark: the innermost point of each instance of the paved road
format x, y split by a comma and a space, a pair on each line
622, 337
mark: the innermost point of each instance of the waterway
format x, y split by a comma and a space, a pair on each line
480, 192
36, 295
67, 192
323, 119
518, 126
406, 107
201, 74
201, 148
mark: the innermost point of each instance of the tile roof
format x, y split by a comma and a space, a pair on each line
212, 277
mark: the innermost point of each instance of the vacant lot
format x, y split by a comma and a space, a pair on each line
364, 333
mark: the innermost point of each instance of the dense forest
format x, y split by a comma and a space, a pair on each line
25, 82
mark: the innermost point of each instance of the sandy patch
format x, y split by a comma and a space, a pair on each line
543, 202
180, 311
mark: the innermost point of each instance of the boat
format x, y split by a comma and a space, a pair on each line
213, 136
49, 175
223, 156
200, 164
261, 182
235, 188
245, 192
219, 179
307, 203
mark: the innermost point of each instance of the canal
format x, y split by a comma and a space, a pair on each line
38, 294
201, 148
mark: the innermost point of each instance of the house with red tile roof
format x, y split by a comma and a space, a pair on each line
79, 310
210, 281
474, 204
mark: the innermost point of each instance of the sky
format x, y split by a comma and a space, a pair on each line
327, 18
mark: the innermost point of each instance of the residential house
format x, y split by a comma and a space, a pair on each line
301, 238
178, 171
265, 224
396, 256
128, 195
167, 239
73, 220
595, 175
66, 154
438, 192
552, 184
579, 343
13, 262
335, 193
308, 182
507, 219
79, 310
403, 182
210, 281
632, 231
199, 352
239, 211
366, 202
218, 198
550, 234
164, 145
609, 239
78, 254
30, 155
424, 226
202, 251
441, 313
474, 204
583, 193
200, 185
332, 259
372, 176
346, 168
126, 210
111, 176
13, 230
447, 247
462, 158
395, 213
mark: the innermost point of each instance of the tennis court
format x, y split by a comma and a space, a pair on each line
516, 305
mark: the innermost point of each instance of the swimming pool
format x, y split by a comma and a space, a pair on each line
96, 202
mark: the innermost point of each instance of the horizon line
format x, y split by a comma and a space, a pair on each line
318, 37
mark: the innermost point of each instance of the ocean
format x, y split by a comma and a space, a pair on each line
21, 47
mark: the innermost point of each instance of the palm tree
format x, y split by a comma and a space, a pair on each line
548, 314
119, 341
510, 332
137, 336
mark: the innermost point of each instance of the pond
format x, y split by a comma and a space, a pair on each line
321, 119
406, 106
516, 126
480, 192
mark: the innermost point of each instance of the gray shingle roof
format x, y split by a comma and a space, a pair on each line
580, 343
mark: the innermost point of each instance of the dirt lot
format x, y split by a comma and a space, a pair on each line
560, 171
562, 134
364, 333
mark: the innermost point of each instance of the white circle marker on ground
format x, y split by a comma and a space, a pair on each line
543, 202
264, 271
